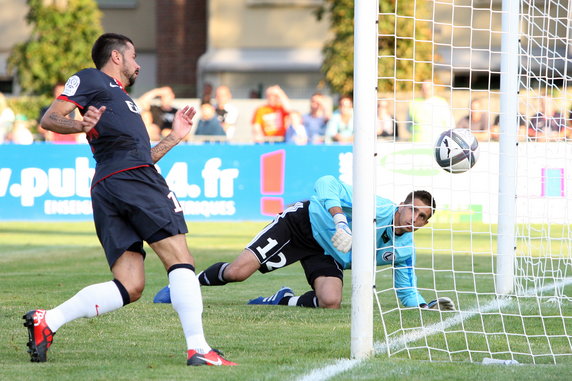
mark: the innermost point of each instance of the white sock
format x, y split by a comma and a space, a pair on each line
187, 301
293, 300
91, 301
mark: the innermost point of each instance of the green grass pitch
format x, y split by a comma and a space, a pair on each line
43, 264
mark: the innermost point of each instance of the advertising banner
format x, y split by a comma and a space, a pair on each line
212, 181
215, 182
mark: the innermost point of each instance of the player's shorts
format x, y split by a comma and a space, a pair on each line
289, 239
134, 206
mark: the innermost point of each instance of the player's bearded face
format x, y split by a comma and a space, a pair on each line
131, 76
130, 71
130, 67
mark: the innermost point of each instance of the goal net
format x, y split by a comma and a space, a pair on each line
500, 243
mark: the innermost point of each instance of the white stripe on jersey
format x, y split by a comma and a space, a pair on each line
289, 209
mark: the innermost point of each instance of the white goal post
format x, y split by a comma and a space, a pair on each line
365, 100
500, 243
507, 147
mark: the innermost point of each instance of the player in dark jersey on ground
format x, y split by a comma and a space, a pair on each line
131, 201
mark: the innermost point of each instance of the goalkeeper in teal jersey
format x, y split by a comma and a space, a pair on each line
317, 233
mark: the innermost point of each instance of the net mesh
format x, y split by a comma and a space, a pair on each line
440, 68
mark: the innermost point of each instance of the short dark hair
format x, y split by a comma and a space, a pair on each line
422, 195
105, 44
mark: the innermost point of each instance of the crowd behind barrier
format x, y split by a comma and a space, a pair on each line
321, 119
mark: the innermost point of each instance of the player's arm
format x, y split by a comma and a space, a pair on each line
284, 100
182, 125
145, 99
405, 283
332, 194
56, 118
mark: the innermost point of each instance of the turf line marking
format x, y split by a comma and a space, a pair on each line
342, 365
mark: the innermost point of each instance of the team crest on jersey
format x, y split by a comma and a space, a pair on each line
133, 107
387, 256
71, 86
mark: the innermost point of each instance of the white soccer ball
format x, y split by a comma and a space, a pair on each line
457, 150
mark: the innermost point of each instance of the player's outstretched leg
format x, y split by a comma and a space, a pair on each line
89, 302
213, 358
40, 336
213, 275
275, 299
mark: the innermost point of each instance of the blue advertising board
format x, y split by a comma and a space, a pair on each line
50, 182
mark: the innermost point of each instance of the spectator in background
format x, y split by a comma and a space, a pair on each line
386, 123
20, 132
340, 128
254, 94
54, 137
477, 121
162, 114
226, 112
316, 120
297, 131
429, 115
7, 118
209, 123
547, 124
269, 120
522, 129
568, 133
153, 129
207, 96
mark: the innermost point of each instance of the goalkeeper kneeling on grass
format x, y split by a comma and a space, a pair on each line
318, 234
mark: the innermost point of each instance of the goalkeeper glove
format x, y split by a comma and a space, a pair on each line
342, 239
441, 304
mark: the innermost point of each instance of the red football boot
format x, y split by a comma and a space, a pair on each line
214, 358
40, 336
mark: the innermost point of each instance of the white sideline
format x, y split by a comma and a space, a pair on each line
343, 365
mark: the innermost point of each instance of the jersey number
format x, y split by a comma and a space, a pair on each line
178, 207
264, 250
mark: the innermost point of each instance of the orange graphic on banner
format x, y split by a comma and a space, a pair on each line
272, 182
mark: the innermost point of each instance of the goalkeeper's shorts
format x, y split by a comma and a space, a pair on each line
288, 239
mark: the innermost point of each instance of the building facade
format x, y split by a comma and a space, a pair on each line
251, 44
245, 44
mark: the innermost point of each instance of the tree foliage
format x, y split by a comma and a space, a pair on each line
60, 44
404, 43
